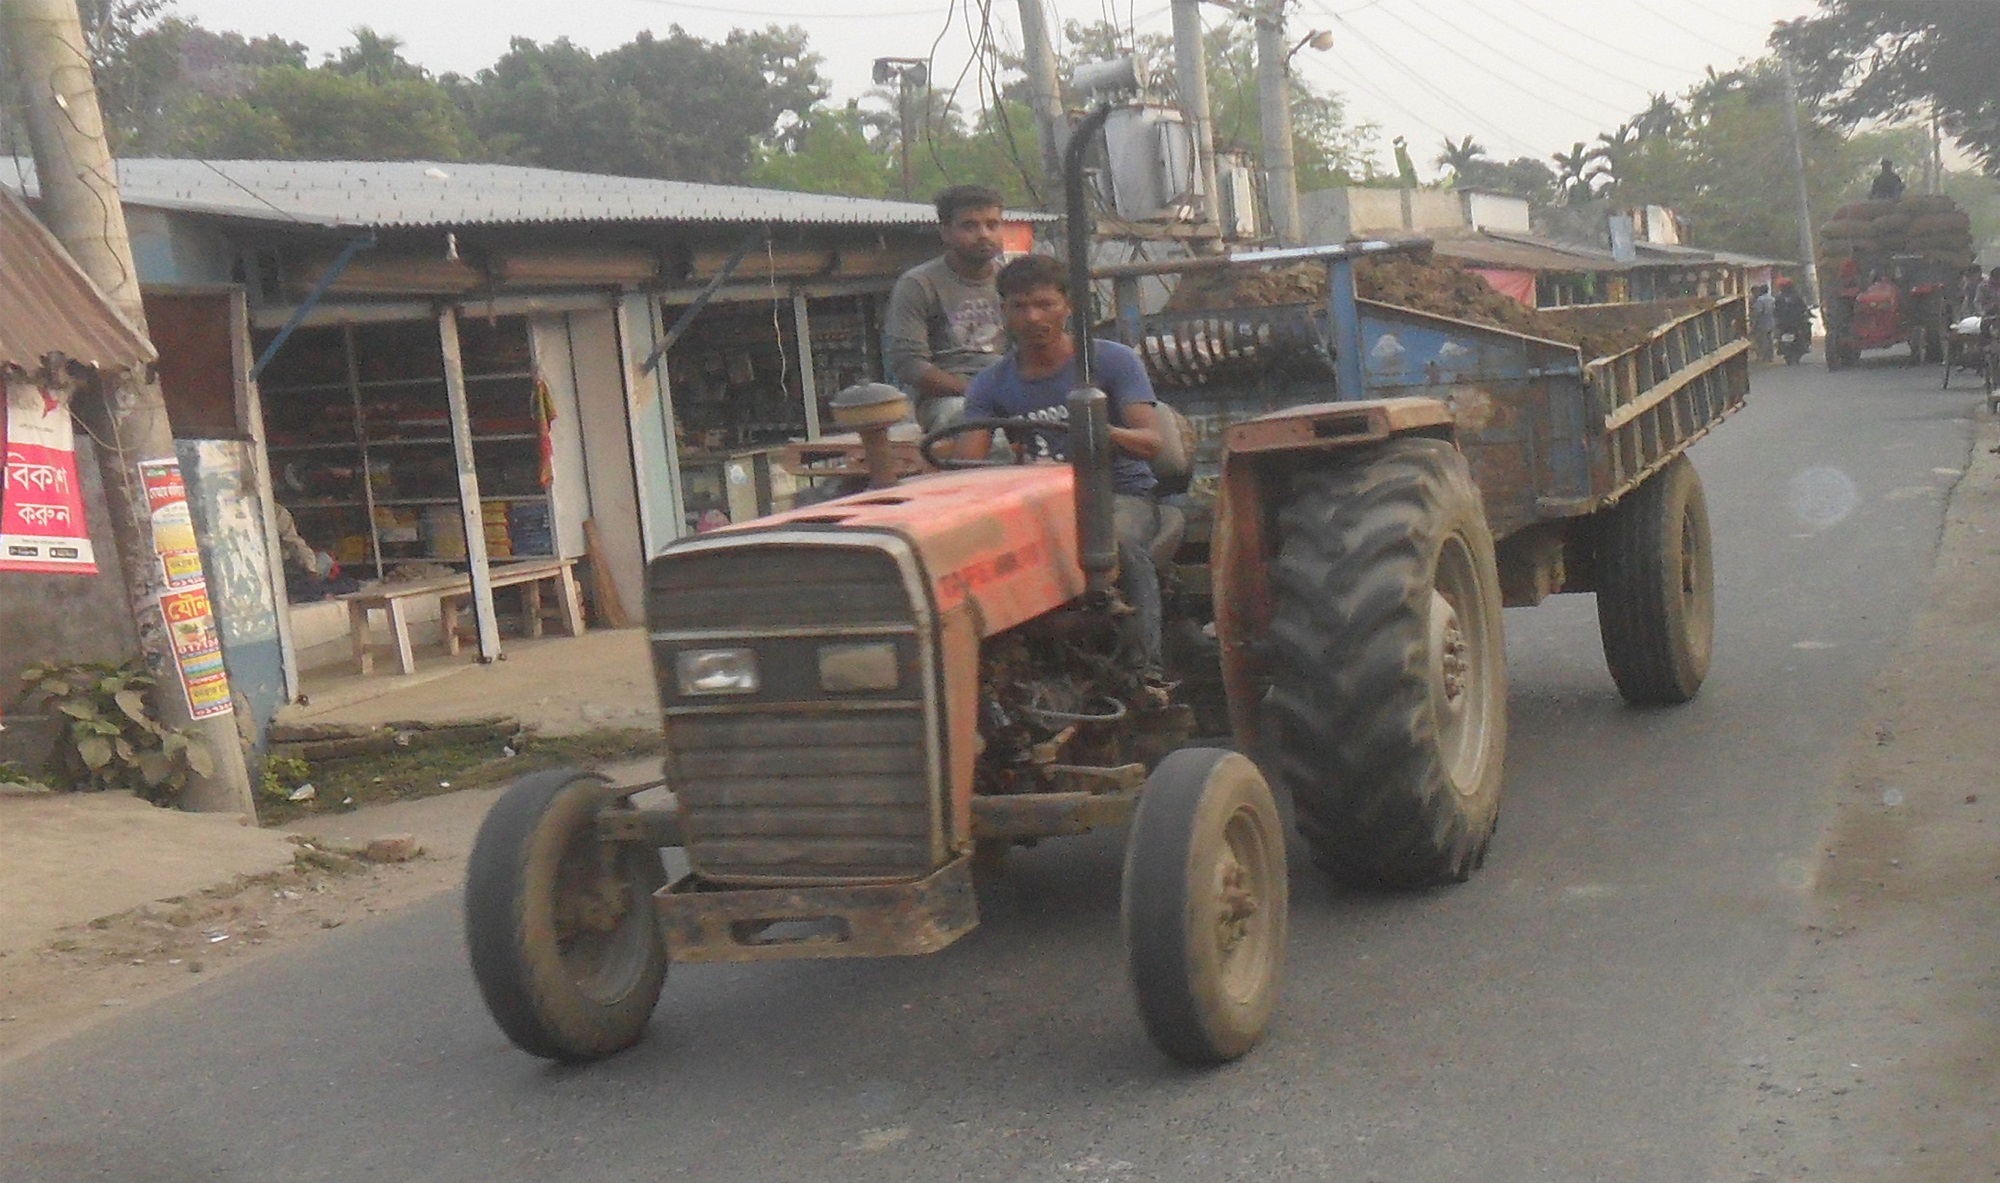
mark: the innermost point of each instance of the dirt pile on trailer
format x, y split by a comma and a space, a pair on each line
1432, 285
1927, 224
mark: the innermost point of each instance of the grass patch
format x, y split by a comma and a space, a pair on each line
349, 782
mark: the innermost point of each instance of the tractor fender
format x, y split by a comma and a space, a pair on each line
1256, 456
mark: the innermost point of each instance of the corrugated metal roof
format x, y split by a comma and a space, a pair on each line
1494, 249
1739, 259
363, 194
48, 305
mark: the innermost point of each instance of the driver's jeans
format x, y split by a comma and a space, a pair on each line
1135, 523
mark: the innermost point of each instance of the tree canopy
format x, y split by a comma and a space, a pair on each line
1720, 156
675, 106
1888, 61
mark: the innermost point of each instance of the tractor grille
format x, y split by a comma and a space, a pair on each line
794, 784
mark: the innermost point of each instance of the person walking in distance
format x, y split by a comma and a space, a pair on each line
1763, 321
943, 323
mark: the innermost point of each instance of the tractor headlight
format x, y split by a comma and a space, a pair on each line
868, 666
716, 671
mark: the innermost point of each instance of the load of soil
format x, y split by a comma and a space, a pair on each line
1433, 285
1927, 224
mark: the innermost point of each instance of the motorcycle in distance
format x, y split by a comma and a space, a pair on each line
1793, 341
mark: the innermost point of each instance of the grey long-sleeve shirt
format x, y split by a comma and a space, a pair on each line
936, 316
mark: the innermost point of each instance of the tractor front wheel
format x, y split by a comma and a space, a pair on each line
565, 943
1205, 905
1389, 682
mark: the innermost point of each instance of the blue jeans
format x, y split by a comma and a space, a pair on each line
1135, 522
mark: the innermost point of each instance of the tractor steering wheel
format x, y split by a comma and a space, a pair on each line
950, 431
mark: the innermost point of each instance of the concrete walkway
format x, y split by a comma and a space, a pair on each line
70, 858
556, 685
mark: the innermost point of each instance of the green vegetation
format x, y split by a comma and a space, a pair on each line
110, 737
1863, 62
753, 108
377, 777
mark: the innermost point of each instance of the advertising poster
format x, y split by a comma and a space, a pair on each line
41, 498
173, 523
184, 605
197, 651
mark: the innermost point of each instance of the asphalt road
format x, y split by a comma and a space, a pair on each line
1579, 1011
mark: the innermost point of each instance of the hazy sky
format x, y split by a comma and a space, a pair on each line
1522, 76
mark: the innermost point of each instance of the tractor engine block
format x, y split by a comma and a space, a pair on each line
1051, 693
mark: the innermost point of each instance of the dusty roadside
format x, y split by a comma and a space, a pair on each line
1876, 1056
80, 972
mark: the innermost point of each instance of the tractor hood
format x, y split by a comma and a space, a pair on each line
1000, 541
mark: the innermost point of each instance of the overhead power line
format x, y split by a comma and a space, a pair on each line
822, 14
1686, 27
1613, 46
1422, 83
1557, 105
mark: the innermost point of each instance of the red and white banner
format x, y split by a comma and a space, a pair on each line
1519, 285
41, 500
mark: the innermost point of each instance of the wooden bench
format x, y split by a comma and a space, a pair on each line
452, 591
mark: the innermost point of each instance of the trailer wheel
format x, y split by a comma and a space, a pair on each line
564, 940
1389, 685
1205, 905
1656, 588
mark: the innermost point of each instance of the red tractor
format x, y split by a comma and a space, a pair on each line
1895, 300
868, 700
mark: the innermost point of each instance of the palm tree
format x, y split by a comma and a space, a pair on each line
1613, 149
375, 57
1573, 173
1461, 157
1662, 117
1717, 86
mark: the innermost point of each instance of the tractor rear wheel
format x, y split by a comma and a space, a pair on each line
1389, 688
1656, 588
565, 943
1205, 905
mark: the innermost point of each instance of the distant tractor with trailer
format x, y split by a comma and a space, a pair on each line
1887, 269
868, 699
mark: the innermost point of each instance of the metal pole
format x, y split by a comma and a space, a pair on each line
1937, 154
80, 205
1046, 99
1806, 244
903, 130
1274, 102
470, 509
1191, 79
808, 376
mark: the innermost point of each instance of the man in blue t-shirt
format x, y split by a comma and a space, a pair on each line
1034, 380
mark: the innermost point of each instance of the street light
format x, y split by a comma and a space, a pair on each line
908, 73
1319, 39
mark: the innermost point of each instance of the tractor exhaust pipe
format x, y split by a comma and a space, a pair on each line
1089, 407
1090, 456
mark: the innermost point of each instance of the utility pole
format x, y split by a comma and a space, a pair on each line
1044, 95
79, 204
1274, 101
1191, 79
903, 134
1935, 163
907, 73
1806, 246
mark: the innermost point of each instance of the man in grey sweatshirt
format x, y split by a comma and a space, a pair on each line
943, 324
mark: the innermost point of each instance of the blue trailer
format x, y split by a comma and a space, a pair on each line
1576, 459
